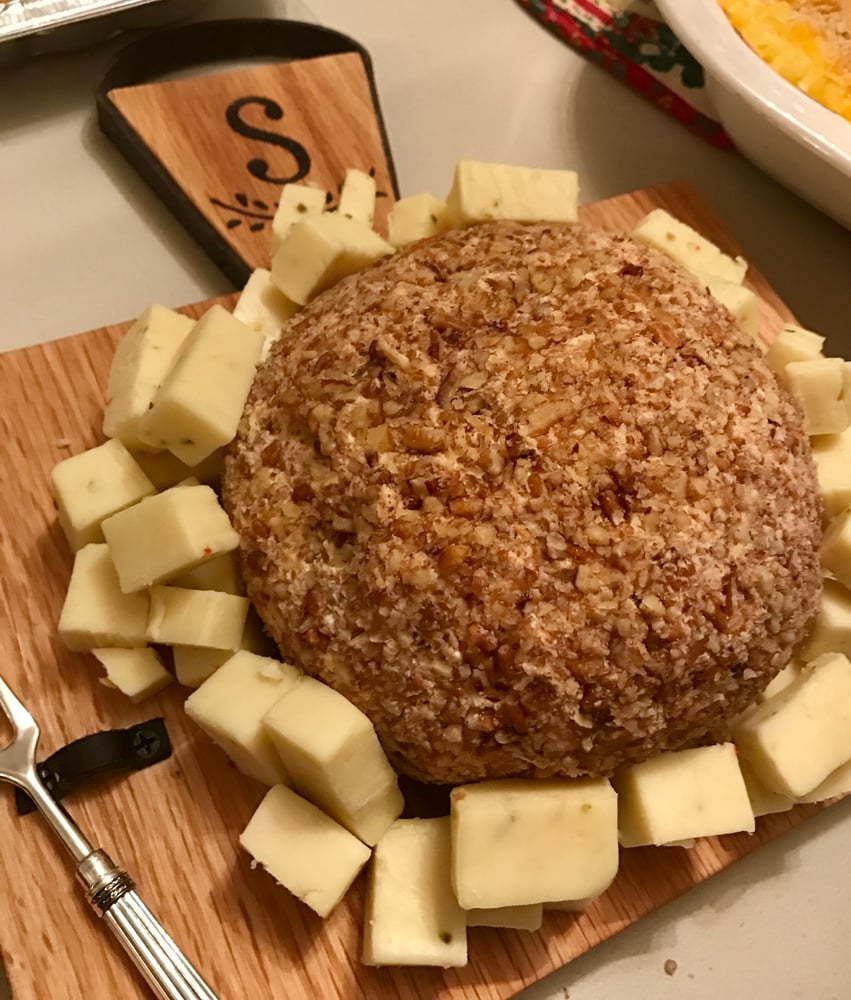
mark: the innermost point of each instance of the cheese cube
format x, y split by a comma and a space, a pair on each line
794, 740
333, 757
740, 301
303, 850
196, 617
199, 404
188, 526
836, 548
412, 917
230, 705
321, 250
194, 664
166, 470
264, 307
297, 202
684, 245
793, 343
519, 918
96, 612
837, 783
688, 793
94, 484
415, 218
832, 455
763, 801
781, 681
819, 387
138, 673
141, 361
516, 842
482, 192
357, 197
221, 573
830, 632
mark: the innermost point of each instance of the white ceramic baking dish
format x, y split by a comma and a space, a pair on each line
789, 135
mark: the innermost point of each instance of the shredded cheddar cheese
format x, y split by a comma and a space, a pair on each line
808, 42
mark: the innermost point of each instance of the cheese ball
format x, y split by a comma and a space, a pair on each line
529, 497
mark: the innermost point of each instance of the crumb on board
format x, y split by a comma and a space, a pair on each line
63, 442
670, 967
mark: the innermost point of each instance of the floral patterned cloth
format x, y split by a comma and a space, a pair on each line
629, 39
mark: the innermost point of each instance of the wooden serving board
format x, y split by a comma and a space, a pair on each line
176, 825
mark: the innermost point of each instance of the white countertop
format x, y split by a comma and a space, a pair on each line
85, 243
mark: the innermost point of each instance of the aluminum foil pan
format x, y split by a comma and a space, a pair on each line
32, 27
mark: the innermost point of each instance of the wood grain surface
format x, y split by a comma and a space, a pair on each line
251, 130
175, 826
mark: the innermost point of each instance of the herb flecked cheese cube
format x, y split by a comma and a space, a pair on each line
188, 525
297, 202
796, 739
220, 573
357, 197
412, 916
832, 455
684, 245
684, 794
94, 484
793, 343
303, 850
230, 706
321, 250
179, 616
483, 192
136, 673
96, 612
140, 363
264, 307
830, 631
416, 217
516, 842
166, 470
334, 759
199, 404
820, 387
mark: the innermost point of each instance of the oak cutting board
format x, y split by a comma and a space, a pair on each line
175, 826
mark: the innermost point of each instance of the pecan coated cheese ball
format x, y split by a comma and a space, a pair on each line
529, 497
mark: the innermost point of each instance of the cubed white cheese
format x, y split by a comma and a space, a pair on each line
763, 801
230, 705
221, 573
684, 245
837, 783
412, 916
741, 302
793, 343
137, 673
483, 192
357, 197
836, 547
796, 739
178, 616
321, 250
830, 631
781, 681
200, 402
94, 484
194, 664
415, 218
519, 918
832, 455
96, 612
333, 757
141, 361
516, 842
264, 307
680, 795
819, 387
303, 850
188, 525
166, 470
297, 202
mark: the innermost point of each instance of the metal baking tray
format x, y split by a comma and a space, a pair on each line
32, 27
